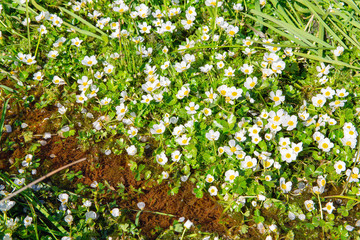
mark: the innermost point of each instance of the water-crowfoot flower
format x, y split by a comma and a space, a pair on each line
27, 161
89, 61
309, 205
68, 218
323, 70
188, 224
81, 98
338, 51
29, 60
285, 186
141, 205
38, 76
230, 175
191, 109
212, 135
19, 181
325, 145
247, 69
158, 128
63, 198
329, 207
183, 140
176, 156
115, 212
27, 221
161, 158
249, 163
76, 42
277, 97
213, 191
90, 215
131, 150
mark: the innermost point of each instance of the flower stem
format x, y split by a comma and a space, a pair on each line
38, 43
28, 24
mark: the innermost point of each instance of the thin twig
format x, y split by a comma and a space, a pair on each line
40, 179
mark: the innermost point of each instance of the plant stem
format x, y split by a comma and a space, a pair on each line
183, 233
28, 24
37, 46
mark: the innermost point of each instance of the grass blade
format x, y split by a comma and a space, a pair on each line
282, 33
352, 5
296, 31
83, 21
320, 59
2, 120
321, 21
85, 32
7, 89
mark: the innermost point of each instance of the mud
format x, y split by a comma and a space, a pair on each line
205, 213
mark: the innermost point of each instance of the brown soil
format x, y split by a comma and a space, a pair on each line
205, 213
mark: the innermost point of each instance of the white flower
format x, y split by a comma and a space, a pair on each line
329, 207
183, 140
325, 145
146, 98
131, 150
94, 184
76, 42
63, 198
115, 212
68, 218
105, 101
319, 100
323, 70
42, 29
191, 109
161, 158
27, 221
285, 187
250, 82
19, 182
81, 98
309, 204
246, 69
29, 60
141, 205
230, 175
341, 92
229, 72
109, 69
38, 76
6, 205
89, 61
188, 224
144, 28
212, 135
249, 163
340, 166
176, 155
53, 54
90, 215
158, 129
213, 191
338, 51
209, 178
277, 97
165, 175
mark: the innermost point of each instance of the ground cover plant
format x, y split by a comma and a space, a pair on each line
180, 119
